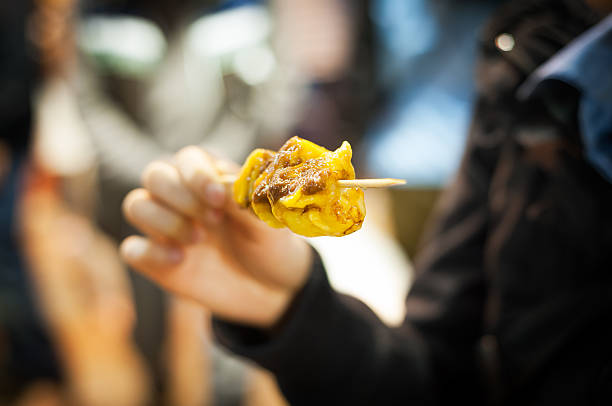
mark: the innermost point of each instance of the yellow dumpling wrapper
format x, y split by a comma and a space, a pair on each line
244, 186
296, 187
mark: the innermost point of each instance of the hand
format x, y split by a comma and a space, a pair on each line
201, 245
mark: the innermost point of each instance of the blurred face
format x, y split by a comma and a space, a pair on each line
603, 6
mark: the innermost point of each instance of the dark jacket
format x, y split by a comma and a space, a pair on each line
513, 299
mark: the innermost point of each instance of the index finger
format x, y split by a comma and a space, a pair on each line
200, 173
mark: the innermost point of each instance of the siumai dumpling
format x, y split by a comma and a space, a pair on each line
296, 188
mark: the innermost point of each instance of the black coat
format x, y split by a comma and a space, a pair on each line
513, 299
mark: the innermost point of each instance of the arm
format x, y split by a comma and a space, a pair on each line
332, 349
327, 348
359, 360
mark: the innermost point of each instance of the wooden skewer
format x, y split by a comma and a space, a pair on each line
370, 183
228, 179
360, 183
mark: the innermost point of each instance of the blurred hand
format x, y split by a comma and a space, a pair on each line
201, 245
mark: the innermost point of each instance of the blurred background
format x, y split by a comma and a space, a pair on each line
93, 90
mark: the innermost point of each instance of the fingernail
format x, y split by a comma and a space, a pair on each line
134, 249
175, 255
215, 195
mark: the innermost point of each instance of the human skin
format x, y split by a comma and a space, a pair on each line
198, 243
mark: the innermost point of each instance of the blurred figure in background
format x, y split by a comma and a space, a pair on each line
52, 320
80, 284
333, 44
26, 354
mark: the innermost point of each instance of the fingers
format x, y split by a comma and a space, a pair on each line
156, 220
164, 183
204, 274
189, 188
199, 172
149, 256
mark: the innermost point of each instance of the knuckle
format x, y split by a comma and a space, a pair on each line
188, 205
196, 168
151, 172
198, 179
180, 230
195, 179
156, 175
190, 150
131, 200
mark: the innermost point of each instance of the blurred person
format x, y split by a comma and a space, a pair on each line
65, 312
511, 304
26, 353
334, 44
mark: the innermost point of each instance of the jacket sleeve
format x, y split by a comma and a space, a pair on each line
332, 349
